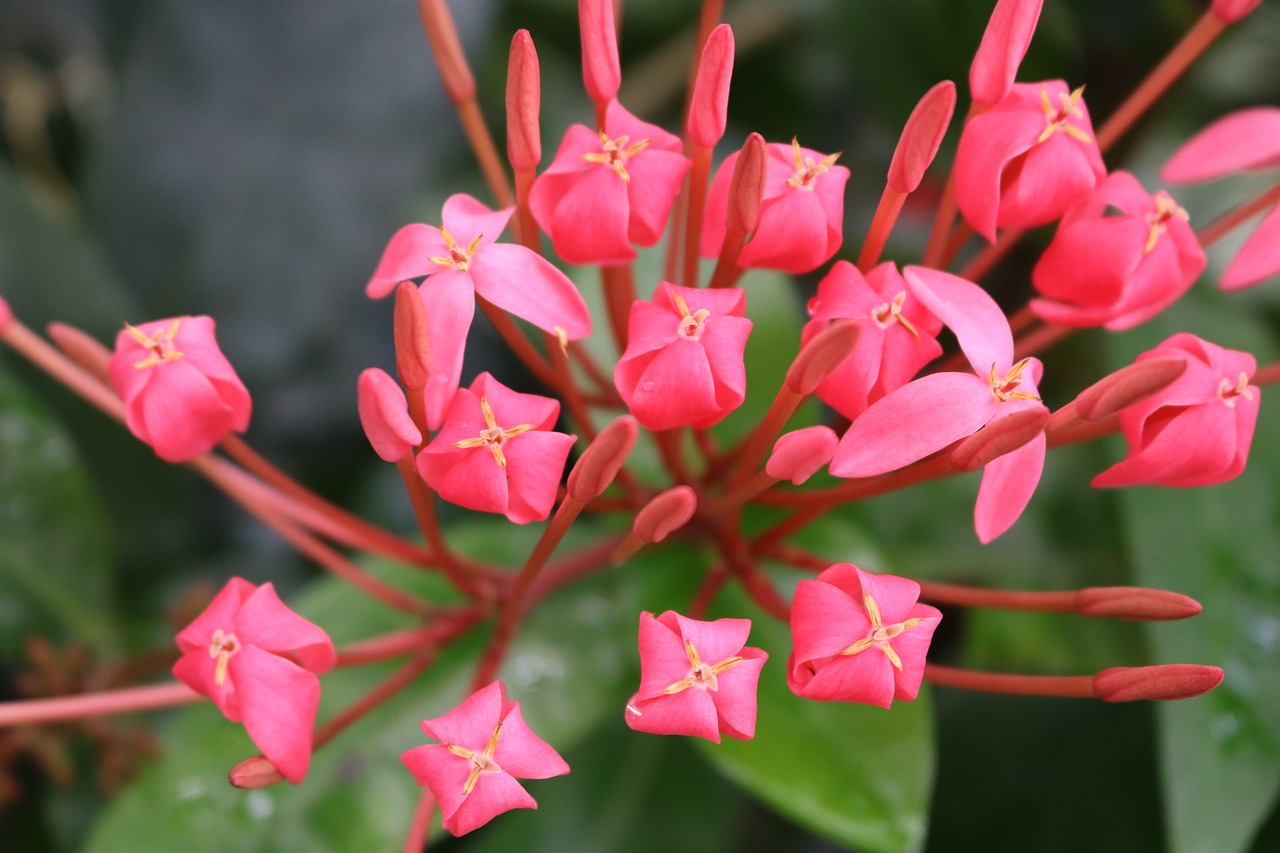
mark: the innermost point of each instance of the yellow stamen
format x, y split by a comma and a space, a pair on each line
1058, 119
806, 169
615, 153
1166, 209
1002, 388
161, 346
492, 436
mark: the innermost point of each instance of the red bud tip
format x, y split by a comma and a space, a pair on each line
413, 359
6, 314
799, 455
1128, 385
665, 514
921, 137
709, 107
601, 72
602, 459
254, 773
1135, 603
821, 356
524, 100
1231, 11
1003, 435
384, 414
442, 35
1004, 43
1167, 681
746, 187
79, 346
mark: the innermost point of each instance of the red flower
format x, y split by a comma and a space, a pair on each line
484, 747
858, 637
181, 395
696, 678
258, 661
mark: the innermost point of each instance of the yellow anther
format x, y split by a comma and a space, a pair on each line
1059, 118
806, 170
1166, 209
492, 436
615, 153
160, 347
1002, 388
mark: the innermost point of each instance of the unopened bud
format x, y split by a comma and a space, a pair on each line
442, 35
1135, 603
524, 100
1004, 43
665, 514
1231, 11
746, 187
1166, 681
254, 773
413, 358
602, 459
79, 346
1128, 385
384, 414
921, 137
1003, 435
799, 455
819, 358
601, 72
709, 106
6, 313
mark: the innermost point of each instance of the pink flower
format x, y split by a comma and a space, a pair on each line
496, 452
858, 637
606, 191
384, 414
928, 414
1027, 159
896, 334
485, 746
181, 395
460, 260
1196, 431
801, 216
1117, 270
683, 364
258, 661
1004, 44
696, 678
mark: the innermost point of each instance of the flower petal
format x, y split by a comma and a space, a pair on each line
1258, 258
531, 287
1007, 485
979, 325
1245, 139
278, 701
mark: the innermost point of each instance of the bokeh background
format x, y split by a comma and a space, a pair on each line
249, 161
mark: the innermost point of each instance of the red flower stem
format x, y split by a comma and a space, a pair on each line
754, 581
526, 225
420, 827
423, 501
670, 443
83, 349
1185, 52
576, 565
881, 226
707, 591
602, 381
619, 292
525, 351
699, 174
1267, 375
990, 255
727, 273
1082, 430
784, 405
1039, 339
569, 390
46, 357
447, 626
513, 606
36, 711
1072, 686
1223, 225
1022, 319
747, 491
393, 684
959, 236
946, 210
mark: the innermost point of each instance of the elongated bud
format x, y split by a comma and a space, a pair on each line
254, 773
601, 72
1231, 11
6, 313
665, 514
81, 347
384, 414
1166, 681
602, 459
921, 137
709, 107
1003, 435
1114, 392
1135, 603
524, 100
746, 187
800, 454
442, 35
413, 359
1004, 43
821, 356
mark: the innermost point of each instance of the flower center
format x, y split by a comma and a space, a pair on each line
806, 170
615, 153
691, 324
1060, 118
493, 436
880, 633
1228, 393
1002, 388
481, 762
700, 674
222, 646
458, 258
161, 346
1166, 209
891, 312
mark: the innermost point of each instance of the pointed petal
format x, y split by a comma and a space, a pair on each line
278, 700
179, 413
493, 794
1088, 262
863, 677
894, 596
825, 620
384, 414
408, 255
912, 646
1007, 485
589, 225
1245, 139
467, 218
966, 309
792, 234
1004, 43
523, 754
264, 621
471, 723
663, 659
988, 145
219, 615
199, 672
434, 766
535, 464
531, 287
449, 298
717, 640
511, 407
674, 389
1258, 258
690, 712
655, 181
736, 697
724, 340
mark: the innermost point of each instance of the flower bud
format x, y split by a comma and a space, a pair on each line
602, 459
1004, 43
665, 514
384, 414
524, 99
819, 358
6, 313
254, 773
800, 454
442, 35
746, 187
921, 137
81, 347
1002, 435
1166, 681
1231, 11
413, 357
709, 105
601, 73
1135, 603
1128, 385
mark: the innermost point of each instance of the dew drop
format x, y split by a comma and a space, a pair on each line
442, 378
649, 386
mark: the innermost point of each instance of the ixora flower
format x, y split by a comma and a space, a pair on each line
608, 190
258, 661
181, 395
896, 334
1196, 431
461, 260
859, 637
496, 452
696, 678
1027, 159
801, 215
1117, 270
683, 365
485, 746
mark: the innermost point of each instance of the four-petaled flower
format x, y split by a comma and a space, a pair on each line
696, 678
258, 661
485, 745
858, 637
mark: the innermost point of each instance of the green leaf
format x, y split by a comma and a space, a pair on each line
857, 774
